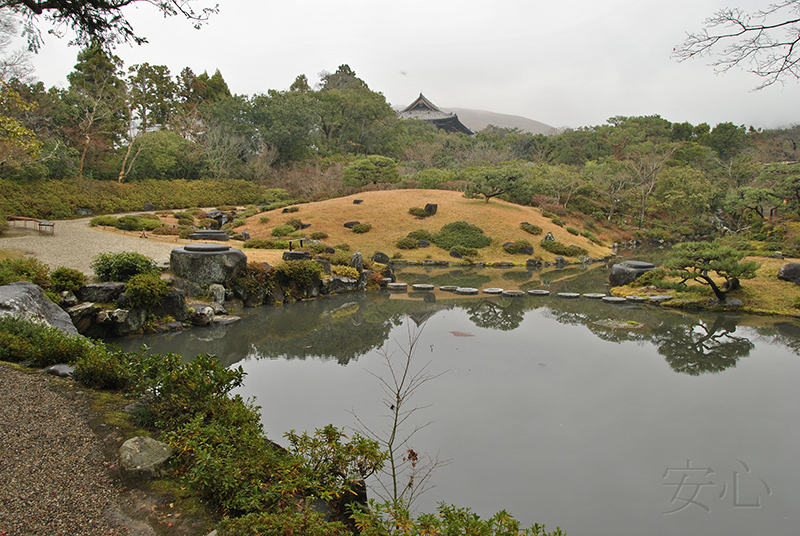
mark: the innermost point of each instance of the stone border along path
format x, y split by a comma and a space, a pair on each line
76, 244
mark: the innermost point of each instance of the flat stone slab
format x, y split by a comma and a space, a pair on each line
422, 286
466, 290
659, 299
614, 299
448, 288
539, 292
594, 296
222, 236
206, 248
636, 299
513, 293
397, 286
568, 295
493, 290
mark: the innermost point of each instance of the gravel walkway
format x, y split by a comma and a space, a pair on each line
52, 477
75, 244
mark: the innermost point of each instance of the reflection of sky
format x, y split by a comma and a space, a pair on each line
558, 426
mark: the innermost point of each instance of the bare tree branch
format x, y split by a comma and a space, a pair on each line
766, 43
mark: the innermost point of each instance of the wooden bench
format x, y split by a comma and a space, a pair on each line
296, 240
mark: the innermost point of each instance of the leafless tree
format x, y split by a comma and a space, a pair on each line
766, 42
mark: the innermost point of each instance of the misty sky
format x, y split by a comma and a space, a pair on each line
565, 63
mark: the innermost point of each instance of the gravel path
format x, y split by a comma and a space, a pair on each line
75, 244
52, 477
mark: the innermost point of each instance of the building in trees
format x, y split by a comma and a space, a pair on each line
425, 110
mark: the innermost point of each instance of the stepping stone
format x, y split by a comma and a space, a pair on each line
422, 286
397, 286
493, 290
513, 293
594, 296
659, 299
466, 290
539, 292
568, 295
636, 299
448, 288
614, 299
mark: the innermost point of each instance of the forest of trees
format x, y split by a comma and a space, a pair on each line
141, 122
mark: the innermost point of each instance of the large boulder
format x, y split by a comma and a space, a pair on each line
206, 264
627, 271
27, 300
101, 292
790, 272
143, 457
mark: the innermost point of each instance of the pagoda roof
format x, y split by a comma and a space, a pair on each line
425, 110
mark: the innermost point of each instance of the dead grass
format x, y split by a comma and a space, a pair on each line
387, 212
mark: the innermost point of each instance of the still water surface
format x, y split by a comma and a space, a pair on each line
687, 425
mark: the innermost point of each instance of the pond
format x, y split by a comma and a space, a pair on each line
599, 418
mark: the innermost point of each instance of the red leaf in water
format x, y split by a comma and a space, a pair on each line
462, 334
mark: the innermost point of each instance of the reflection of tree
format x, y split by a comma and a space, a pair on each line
518, 276
505, 315
695, 349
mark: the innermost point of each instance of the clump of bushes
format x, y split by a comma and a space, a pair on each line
167, 230
66, 279
3, 225
122, 266
318, 235
315, 247
340, 257
255, 277
130, 223
421, 234
532, 229
461, 233
343, 247
558, 248
519, 246
283, 230
296, 223
263, 220
261, 243
42, 345
406, 243
419, 212
145, 291
573, 231
24, 269
467, 253
362, 228
344, 271
104, 369
298, 276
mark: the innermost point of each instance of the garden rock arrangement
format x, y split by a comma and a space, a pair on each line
206, 264
28, 300
627, 271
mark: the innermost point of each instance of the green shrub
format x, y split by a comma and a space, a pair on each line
261, 243
238, 221
283, 230
318, 235
256, 276
104, 369
340, 257
295, 223
263, 220
573, 231
343, 247
532, 229
345, 271
137, 223
122, 266
249, 211
42, 345
315, 247
291, 210
419, 212
103, 221
406, 243
298, 275
3, 225
362, 228
421, 234
461, 233
285, 523
67, 279
517, 246
558, 221
557, 248
467, 253
24, 269
145, 291
167, 230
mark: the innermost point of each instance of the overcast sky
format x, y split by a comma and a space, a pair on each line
567, 63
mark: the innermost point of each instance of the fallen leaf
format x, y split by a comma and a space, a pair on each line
462, 334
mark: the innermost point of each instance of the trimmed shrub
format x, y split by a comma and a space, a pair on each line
344, 271
340, 257
42, 345
296, 223
24, 269
461, 233
318, 235
261, 243
532, 229
167, 231
467, 253
145, 291
256, 276
557, 248
419, 212
406, 243
3, 225
122, 266
283, 230
362, 228
315, 247
284, 523
573, 231
104, 369
421, 234
68, 279
517, 246
298, 275
263, 220
343, 247
291, 210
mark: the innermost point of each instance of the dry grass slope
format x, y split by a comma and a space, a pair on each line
387, 212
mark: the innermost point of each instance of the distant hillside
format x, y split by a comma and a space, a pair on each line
480, 119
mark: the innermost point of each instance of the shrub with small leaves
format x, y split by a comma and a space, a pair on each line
421, 234
261, 243
298, 275
362, 228
122, 266
461, 233
532, 229
516, 247
263, 220
296, 223
573, 231
145, 291
290, 210
283, 230
24, 269
104, 369
419, 212
406, 243
340, 257
318, 235
343, 247
557, 248
469, 253
344, 271
256, 276
24, 340
315, 247
67, 279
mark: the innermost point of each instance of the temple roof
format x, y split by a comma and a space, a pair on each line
425, 110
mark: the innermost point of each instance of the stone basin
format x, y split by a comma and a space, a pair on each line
207, 264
